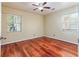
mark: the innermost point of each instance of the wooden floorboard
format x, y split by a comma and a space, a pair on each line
39, 47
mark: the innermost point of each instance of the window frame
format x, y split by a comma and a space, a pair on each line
65, 28
15, 23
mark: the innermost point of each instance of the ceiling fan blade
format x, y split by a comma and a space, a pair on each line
34, 5
35, 9
44, 3
47, 7
42, 10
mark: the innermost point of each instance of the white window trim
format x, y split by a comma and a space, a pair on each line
20, 23
64, 29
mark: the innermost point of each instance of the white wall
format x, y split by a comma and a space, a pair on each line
54, 26
32, 26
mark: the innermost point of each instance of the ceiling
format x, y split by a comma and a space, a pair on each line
27, 6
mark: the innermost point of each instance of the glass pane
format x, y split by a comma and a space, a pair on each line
14, 23
18, 19
71, 21
73, 26
18, 27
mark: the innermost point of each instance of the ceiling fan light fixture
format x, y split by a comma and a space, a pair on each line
37, 3
40, 8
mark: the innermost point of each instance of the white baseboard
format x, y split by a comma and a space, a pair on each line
62, 40
36, 37
19, 40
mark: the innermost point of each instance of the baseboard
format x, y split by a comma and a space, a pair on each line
21, 40
39, 37
62, 40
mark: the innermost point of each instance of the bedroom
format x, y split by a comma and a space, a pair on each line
41, 29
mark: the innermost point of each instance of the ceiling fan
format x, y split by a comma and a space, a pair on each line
41, 6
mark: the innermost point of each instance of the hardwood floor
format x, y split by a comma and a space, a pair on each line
39, 47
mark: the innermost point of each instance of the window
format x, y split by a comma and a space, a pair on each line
14, 23
71, 22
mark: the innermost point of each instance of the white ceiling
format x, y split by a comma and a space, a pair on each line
27, 6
